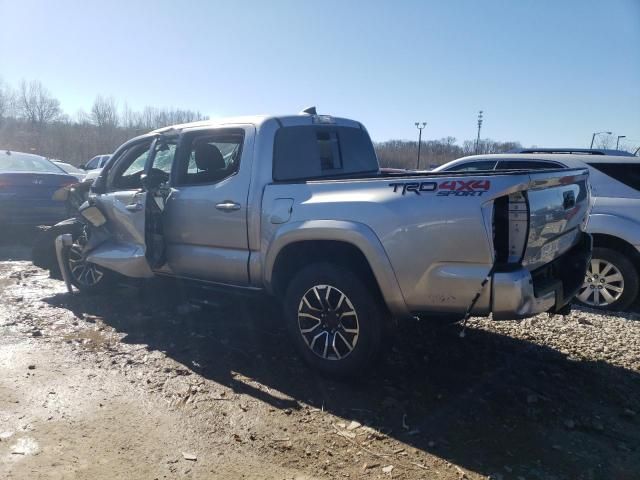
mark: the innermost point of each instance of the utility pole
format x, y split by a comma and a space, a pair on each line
479, 127
419, 126
618, 141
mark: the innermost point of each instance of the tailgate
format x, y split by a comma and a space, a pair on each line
557, 203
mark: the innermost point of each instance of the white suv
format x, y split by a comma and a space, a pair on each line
612, 280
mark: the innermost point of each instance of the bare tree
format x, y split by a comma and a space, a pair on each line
104, 112
26, 111
604, 142
36, 104
6, 100
128, 117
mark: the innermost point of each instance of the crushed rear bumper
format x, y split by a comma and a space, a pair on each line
550, 288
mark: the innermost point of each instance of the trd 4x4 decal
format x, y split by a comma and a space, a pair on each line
456, 188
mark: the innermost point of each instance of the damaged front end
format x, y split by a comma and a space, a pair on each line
71, 252
62, 245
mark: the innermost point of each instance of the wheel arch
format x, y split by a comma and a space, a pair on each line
337, 242
604, 240
610, 226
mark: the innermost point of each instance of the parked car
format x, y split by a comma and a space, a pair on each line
71, 170
96, 162
31, 190
297, 206
91, 175
612, 280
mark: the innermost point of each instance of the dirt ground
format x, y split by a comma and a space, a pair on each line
152, 382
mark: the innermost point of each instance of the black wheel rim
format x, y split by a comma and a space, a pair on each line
328, 322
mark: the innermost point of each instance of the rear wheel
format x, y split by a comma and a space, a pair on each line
334, 320
611, 281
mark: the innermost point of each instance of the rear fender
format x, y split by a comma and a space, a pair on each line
615, 226
353, 233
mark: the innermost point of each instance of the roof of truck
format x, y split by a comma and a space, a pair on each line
258, 120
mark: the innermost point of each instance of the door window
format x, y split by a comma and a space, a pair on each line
627, 173
210, 157
473, 166
527, 165
127, 173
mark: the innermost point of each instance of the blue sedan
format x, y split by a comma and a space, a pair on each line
32, 190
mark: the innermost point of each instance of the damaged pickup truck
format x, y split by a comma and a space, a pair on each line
297, 206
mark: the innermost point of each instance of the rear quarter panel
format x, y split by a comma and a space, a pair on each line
618, 217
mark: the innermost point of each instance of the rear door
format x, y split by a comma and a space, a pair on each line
205, 216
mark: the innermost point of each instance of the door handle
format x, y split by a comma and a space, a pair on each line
228, 206
134, 207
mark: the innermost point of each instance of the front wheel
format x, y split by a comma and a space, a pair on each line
334, 320
611, 281
85, 276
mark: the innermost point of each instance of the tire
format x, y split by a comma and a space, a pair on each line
335, 306
617, 289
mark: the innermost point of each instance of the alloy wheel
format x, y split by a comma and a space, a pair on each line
328, 322
603, 284
85, 273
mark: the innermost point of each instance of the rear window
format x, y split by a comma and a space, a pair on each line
93, 163
627, 173
16, 162
310, 152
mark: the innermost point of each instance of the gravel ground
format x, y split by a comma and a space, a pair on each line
144, 383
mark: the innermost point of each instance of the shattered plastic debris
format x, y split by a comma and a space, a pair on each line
189, 456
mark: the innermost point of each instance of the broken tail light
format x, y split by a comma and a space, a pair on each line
510, 228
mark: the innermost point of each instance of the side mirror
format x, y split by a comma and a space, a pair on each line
82, 166
99, 185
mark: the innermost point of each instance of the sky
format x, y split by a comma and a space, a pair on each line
545, 72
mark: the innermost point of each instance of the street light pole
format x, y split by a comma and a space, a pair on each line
479, 127
593, 137
618, 141
419, 126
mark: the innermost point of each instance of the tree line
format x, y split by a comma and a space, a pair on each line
32, 120
404, 153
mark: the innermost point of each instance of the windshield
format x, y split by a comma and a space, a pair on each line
19, 162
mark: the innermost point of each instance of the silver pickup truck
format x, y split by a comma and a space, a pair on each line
297, 206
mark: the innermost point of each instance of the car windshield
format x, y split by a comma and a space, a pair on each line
17, 162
